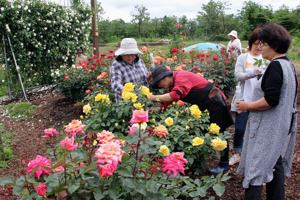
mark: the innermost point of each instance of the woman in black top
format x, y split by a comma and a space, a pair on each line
271, 129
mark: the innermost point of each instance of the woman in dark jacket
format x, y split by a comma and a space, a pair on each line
194, 89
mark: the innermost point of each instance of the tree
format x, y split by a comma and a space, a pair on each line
140, 15
253, 15
211, 18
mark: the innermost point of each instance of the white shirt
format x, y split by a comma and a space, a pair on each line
235, 44
250, 68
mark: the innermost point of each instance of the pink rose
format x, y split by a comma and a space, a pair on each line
68, 144
50, 132
139, 116
39, 166
41, 189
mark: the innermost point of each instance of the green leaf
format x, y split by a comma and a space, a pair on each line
98, 195
73, 186
225, 177
6, 181
219, 189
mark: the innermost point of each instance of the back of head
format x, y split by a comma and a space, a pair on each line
276, 36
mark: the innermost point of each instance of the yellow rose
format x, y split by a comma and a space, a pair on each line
214, 128
195, 111
104, 98
129, 96
95, 142
81, 117
197, 141
86, 109
145, 91
138, 106
144, 125
164, 150
169, 121
133, 97
218, 144
128, 87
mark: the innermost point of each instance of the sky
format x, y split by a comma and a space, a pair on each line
123, 9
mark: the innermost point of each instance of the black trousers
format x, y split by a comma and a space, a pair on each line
275, 188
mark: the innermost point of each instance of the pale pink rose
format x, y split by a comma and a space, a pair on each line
41, 189
59, 169
68, 144
139, 116
105, 136
40, 166
174, 163
107, 170
133, 129
108, 156
50, 132
74, 127
161, 131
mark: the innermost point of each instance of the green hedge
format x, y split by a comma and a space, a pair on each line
44, 36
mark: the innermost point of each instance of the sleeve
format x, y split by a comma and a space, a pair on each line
116, 81
181, 89
145, 81
272, 83
239, 72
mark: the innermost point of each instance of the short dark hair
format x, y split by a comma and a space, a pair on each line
119, 58
253, 37
276, 36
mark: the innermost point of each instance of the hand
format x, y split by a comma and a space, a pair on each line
242, 106
257, 72
152, 98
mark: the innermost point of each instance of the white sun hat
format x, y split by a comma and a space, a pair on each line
233, 33
128, 46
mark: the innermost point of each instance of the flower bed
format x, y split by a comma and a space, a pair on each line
142, 159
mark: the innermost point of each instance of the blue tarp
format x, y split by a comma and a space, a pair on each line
204, 46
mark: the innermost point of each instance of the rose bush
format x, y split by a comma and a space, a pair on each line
44, 36
91, 165
80, 80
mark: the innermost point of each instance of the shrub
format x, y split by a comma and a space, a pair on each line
79, 80
44, 36
20, 109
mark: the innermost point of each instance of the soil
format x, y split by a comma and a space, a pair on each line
55, 111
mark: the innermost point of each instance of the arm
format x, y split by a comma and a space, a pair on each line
161, 98
116, 81
239, 72
259, 105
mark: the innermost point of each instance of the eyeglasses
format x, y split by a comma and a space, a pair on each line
261, 44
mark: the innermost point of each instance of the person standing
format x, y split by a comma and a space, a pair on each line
270, 135
127, 67
234, 46
248, 70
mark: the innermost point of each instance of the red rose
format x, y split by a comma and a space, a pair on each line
88, 91
215, 57
66, 76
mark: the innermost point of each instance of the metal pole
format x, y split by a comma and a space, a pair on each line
17, 68
8, 75
94, 27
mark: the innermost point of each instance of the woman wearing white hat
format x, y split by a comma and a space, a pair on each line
234, 47
127, 67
